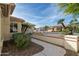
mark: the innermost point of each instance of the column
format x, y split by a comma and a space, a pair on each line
0, 24
1, 38
6, 24
19, 27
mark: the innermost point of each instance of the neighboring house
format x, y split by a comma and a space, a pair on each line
57, 28
49, 30
40, 29
37, 30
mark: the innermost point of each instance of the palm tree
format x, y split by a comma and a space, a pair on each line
74, 24
70, 8
27, 25
61, 21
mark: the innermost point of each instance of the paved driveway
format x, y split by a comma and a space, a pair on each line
49, 49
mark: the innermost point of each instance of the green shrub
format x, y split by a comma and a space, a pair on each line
66, 31
77, 30
22, 40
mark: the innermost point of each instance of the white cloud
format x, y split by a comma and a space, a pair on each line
52, 15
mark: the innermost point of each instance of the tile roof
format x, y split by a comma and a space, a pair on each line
12, 18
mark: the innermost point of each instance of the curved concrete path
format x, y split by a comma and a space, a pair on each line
49, 49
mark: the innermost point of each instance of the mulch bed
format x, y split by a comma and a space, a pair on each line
9, 49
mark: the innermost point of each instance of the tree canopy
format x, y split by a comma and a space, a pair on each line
70, 8
61, 21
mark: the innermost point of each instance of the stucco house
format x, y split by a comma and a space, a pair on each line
15, 24
8, 23
57, 28
5, 11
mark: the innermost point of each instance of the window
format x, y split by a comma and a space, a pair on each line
13, 27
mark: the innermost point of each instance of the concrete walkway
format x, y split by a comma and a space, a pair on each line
49, 49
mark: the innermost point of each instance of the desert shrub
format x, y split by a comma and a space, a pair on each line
66, 31
22, 40
59, 30
77, 30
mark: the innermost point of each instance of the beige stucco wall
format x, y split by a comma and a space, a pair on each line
5, 23
1, 38
19, 27
6, 27
0, 24
72, 42
55, 29
0, 31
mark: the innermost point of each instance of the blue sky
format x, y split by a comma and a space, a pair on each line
40, 14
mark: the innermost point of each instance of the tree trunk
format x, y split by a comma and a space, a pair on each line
63, 25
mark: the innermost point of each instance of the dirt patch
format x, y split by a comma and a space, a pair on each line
9, 49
